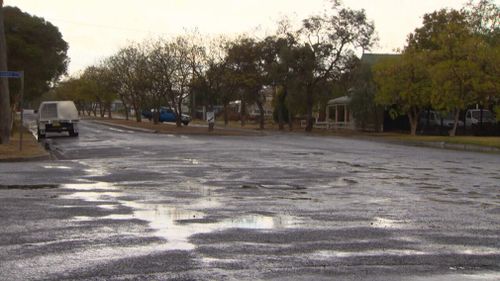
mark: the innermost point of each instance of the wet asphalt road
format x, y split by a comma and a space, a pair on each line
123, 205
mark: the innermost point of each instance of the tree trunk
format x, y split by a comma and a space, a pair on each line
193, 105
125, 107
89, 110
226, 117
109, 111
102, 109
179, 114
309, 104
155, 115
290, 120
281, 105
243, 111
136, 104
138, 116
261, 114
13, 111
281, 121
79, 109
5, 113
211, 125
453, 130
413, 122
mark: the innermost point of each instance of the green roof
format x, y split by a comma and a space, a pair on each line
372, 59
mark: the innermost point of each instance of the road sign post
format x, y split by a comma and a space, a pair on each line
211, 120
18, 75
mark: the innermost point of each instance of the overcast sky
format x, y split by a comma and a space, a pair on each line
95, 29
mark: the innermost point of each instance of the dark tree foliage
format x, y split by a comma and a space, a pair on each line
245, 60
367, 113
35, 46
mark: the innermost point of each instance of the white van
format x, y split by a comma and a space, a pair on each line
57, 116
473, 117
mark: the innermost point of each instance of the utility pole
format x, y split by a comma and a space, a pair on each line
5, 114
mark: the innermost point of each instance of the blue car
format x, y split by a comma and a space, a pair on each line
166, 115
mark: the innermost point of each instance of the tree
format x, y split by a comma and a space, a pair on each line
70, 89
329, 42
129, 68
278, 60
98, 89
212, 81
484, 18
187, 56
5, 111
160, 68
365, 110
36, 47
404, 82
462, 67
246, 62
228, 89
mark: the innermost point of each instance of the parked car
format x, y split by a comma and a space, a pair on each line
57, 116
166, 115
473, 117
434, 117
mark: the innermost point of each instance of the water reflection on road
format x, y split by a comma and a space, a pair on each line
173, 223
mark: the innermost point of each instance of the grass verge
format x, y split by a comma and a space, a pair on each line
466, 140
31, 148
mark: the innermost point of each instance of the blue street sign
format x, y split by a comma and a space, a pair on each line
11, 74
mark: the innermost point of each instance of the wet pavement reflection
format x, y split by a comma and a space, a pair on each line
172, 223
243, 208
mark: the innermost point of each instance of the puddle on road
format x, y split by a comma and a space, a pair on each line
192, 161
91, 186
370, 253
177, 225
172, 223
386, 223
56, 167
96, 172
93, 196
96, 169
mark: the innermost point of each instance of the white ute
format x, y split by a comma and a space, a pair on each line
57, 116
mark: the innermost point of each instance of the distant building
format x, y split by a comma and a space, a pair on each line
339, 114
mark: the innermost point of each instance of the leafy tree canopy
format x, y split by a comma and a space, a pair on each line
36, 47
